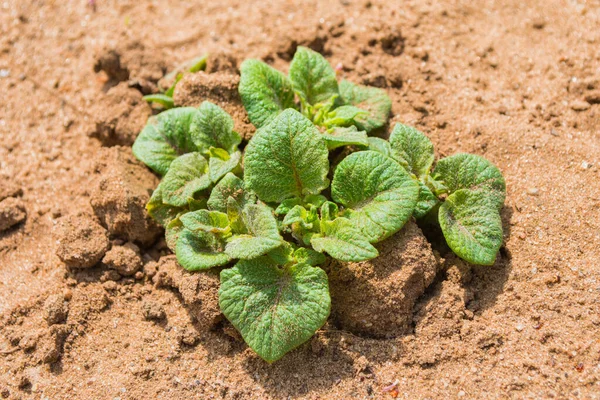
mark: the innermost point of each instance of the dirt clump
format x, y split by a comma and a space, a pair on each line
9, 189
122, 188
82, 241
12, 212
120, 116
133, 62
124, 259
153, 311
376, 297
56, 309
199, 291
220, 88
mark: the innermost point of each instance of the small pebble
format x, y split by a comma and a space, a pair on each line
533, 191
4, 73
520, 327
580, 105
585, 165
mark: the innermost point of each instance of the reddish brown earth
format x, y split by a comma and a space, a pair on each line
517, 82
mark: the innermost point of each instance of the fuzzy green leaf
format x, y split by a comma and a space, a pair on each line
379, 195
468, 171
187, 175
343, 241
309, 256
159, 211
286, 205
426, 202
298, 215
165, 137
275, 309
214, 128
344, 116
172, 232
472, 226
373, 100
265, 92
229, 186
412, 149
380, 145
206, 221
261, 236
313, 79
287, 158
220, 163
349, 136
199, 250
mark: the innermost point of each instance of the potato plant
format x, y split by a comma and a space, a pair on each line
269, 218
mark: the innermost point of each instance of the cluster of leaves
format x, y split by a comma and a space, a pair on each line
276, 217
165, 98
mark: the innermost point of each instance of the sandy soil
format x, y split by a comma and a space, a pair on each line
517, 82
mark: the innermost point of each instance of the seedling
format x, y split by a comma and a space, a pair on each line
165, 98
270, 223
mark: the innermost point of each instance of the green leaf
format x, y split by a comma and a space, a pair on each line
379, 195
261, 237
412, 149
159, 211
427, 200
220, 163
206, 221
380, 145
274, 309
309, 256
341, 136
313, 79
468, 171
373, 100
162, 99
298, 215
172, 232
283, 254
286, 205
229, 186
344, 116
214, 128
187, 175
287, 158
165, 137
329, 211
197, 204
343, 241
472, 226
265, 92
199, 250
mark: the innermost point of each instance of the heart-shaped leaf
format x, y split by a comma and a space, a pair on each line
412, 149
265, 92
261, 236
472, 226
165, 137
341, 136
468, 171
373, 100
274, 309
187, 175
379, 195
199, 250
313, 79
214, 128
229, 186
343, 241
287, 158
309, 256
220, 163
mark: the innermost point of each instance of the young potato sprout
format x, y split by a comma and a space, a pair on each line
269, 217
